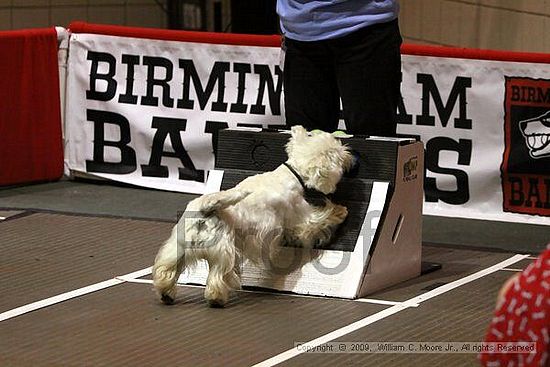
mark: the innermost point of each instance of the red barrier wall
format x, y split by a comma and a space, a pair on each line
275, 41
30, 116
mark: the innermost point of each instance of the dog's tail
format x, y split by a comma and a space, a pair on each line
211, 203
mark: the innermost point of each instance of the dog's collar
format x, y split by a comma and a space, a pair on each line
309, 194
298, 177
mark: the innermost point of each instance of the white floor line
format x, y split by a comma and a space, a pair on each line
291, 353
2, 218
511, 269
133, 280
363, 300
72, 294
382, 302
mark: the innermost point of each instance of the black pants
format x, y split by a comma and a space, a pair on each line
362, 68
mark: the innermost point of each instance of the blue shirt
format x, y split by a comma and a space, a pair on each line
314, 20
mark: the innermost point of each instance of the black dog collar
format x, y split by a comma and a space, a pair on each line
298, 177
312, 195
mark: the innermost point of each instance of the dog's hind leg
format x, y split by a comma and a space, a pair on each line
223, 274
194, 238
169, 264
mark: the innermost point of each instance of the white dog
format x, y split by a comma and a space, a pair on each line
258, 216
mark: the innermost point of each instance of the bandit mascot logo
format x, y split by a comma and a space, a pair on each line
536, 132
525, 170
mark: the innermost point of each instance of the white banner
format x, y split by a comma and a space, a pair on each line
480, 162
146, 112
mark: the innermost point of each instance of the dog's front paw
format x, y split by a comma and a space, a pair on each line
339, 213
216, 297
216, 303
167, 300
168, 296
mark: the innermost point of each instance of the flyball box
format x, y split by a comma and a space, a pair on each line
377, 246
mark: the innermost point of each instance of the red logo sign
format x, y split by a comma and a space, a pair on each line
525, 169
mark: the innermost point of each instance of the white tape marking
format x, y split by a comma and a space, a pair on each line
511, 269
382, 302
363, 300
72, 294
133, 280
291, 353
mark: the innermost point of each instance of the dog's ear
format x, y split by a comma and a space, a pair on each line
327, 167
319, 177
298, 132
350, 158
322, 172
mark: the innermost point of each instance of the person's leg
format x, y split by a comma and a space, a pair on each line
368, 69
310, 90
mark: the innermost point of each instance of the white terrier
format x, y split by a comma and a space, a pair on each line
257, 217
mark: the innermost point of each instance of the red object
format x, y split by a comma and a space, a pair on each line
182, 36
477, 54
523, 315
30, 115
275, 41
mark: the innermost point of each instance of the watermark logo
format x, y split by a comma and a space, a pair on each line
275, 253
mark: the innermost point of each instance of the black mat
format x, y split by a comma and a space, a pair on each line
265, 151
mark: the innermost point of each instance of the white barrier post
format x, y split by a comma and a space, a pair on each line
62, 55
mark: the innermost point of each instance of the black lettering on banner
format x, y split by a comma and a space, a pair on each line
273, 92
516, 187
458, 93
127, 162
464, 149
529, 192
516, 96
152, 64
530, 94
534, 193
96, 58
170, 127
128, 97
241, 69
217, 76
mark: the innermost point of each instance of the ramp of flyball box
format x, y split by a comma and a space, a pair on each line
336, 269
